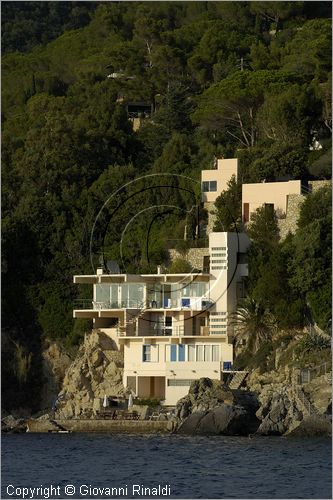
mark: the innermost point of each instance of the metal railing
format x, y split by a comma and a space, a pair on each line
301, 397
176, 331
197, 304
83, 304
98, 305
307, 374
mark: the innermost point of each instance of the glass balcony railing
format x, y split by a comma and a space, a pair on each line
105, 305
194, 303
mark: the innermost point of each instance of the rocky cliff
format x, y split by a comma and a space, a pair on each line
55, 363
211, 408
96, 371
285, 407
269, 405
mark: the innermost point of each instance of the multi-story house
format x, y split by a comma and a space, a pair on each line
172, 328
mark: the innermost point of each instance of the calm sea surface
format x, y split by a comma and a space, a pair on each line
194, 467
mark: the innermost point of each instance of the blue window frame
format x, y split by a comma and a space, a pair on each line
173, 353
181, 352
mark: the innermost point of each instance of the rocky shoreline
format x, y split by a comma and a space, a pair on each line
210, 408
268, 404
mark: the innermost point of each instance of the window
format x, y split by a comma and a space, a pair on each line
242, 258
191, 353
215, 353
209, 186
173, 353
168, 321
194, 290
200, 353
146, 353
181, 352
218, 248
179, 382
103, 293
207, 353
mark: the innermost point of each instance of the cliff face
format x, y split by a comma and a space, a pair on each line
284, 408
97, 370
55, 363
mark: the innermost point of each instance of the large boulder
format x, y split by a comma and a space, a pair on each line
97, 370
212, 408
13, 425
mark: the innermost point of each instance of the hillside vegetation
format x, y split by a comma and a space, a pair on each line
236, 79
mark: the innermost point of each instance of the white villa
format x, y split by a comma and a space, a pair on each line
172, 328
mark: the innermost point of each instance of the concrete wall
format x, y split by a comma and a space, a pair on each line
95, 425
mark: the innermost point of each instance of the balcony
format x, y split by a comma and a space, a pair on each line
107, 305
160, 331
191, 303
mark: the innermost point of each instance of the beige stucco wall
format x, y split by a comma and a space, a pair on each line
162, 367
226, 168
223, 284
258, 194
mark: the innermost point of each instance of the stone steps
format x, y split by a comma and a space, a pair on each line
237, 380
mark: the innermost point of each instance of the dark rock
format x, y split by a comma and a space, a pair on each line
212, 408
190, 425
318, 425
13, 425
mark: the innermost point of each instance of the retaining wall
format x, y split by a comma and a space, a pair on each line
85, 425
194, 256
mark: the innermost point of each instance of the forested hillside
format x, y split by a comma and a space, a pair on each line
236, 79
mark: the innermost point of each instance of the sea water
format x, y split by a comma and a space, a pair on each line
164, 466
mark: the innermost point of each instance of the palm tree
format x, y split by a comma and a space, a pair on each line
254, 323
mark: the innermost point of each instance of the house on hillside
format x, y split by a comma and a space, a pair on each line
172, 328
275, 194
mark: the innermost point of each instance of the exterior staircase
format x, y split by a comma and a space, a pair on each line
306, 407
131, 323
237, 379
